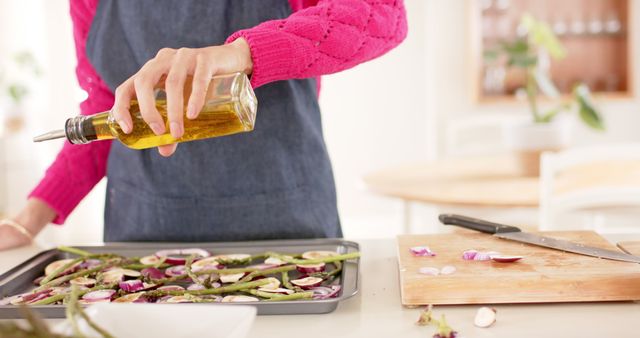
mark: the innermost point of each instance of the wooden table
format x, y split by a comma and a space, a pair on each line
462, 182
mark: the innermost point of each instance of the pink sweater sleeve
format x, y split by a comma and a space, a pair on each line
327, 36
77, 169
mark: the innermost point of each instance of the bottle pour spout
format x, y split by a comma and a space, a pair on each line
52, 135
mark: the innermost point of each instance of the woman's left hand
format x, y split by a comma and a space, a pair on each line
177, 64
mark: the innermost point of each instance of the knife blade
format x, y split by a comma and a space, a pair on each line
509, 232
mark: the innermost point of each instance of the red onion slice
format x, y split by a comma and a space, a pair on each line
150, 260
152, 273
505, 259
307, 283
209, 263
325, 292
310, 268
89, 302
428, 270
194, 287
90, 264
177, 270
99, 295
421, 251
274, 283
28, 297
179, 256
133, 285
275, 261
484, 256
469, 255
318, 254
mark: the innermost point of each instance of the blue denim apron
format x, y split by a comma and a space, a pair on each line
274, 182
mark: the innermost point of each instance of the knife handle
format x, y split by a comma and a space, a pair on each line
476, 224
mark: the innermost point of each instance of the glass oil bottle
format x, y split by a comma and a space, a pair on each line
230, 107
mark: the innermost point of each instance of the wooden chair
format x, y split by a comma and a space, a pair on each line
596, 182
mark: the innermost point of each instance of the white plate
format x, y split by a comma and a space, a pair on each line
166, 320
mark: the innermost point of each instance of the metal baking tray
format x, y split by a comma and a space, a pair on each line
20, 278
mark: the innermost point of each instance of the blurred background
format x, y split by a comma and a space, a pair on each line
454, 119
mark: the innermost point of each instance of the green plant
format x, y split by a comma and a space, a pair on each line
531, 54
16, 90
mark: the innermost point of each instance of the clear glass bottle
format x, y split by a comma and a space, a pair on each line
230, 108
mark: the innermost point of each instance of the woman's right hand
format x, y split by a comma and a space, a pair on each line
33, 217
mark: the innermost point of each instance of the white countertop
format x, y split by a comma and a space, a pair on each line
376, 310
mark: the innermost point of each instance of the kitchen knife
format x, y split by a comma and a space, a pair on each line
515, 234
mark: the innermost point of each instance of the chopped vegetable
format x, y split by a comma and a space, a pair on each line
505, 259
131, 285
469, 255
137, 297
310, 268
99, 295
152, 273
171, 288
58, 264
428, 270
179, 256
325, 292
485, 317
176, 270
231, 278
447, 270
307, 283
318, 254
151, 260
233, 299
274, 283
209, 263
83, 281
276, 261
276, 290
421, 251
233, 259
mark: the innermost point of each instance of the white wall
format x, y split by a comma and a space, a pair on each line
385, 112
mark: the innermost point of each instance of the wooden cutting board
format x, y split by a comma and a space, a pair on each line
543, 275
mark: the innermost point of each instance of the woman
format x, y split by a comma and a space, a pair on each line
275, 182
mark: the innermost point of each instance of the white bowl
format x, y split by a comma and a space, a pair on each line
166, 320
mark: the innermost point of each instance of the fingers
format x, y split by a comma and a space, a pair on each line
167, 150
144, 83
120, 110
174, 85
201, 79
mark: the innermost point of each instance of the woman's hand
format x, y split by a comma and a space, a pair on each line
177, 64
35, 216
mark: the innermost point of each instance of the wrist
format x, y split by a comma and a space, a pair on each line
243, 51
35, 216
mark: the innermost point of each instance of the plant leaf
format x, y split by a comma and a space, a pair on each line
586, 109
542, 35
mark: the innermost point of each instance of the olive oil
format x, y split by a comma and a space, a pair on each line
230, 108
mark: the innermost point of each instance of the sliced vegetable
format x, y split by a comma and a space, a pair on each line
310, 268
233, 259
421, 251
171, 288
469, 255
99, 295
176, 270
179, 256
235, 299
429, 270
58, 264
36, 296
83, 281
505, 259
195, 286
209, 263
484, 256
276, 290
133, 285
152, 273
447, 270
262, 266
150, 260
231, 278
137, 297
276, 261
90, 264
485, 317
307, 283
179, 299
325, 292
318, 254
274, 283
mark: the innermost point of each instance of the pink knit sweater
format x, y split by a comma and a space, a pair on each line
320, 37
